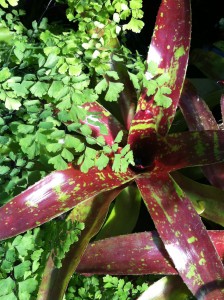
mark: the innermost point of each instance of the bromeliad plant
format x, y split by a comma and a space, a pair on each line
89, 189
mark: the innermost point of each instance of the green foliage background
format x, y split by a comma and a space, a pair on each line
47, 71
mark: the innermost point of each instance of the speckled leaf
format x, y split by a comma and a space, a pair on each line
196, 112
137, 253
97, 117
185, 149
169, 50
184, 236
133, 254
92, 212
207, 200
199, 117
55, 194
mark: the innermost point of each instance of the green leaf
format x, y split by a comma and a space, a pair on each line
51, 61
135, 4
39, 89
165, 90
63, 68
125, 150
55, 147
66, 154
119, 137
26, 287
162, 79
4, 73
26, 141
71, 141
107, 149
115, 147
6, 286
4, 170
58, 162
86, 130
101, 86
135, 80
13, 2
23, 128
12, 104
21, 89
46, 125
86, 164
151, 86
134, 25
162, 100
152, 67
19, 270
116, 163
75, 70
10, 296
5, 34
113, 92
100, 139
102, 162
113, 74
3, 139
55, 90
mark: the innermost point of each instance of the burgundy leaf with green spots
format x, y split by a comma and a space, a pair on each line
54, 195
184, 236
156, 154
136, 253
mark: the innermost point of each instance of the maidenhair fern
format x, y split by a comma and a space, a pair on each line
46, 74
105, 288
22, 259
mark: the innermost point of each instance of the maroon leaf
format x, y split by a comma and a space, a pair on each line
137, 253
92, 212
184, 235
207, 200
196, 112
199, 117
169, 49
54, 195
134, 254
185, 149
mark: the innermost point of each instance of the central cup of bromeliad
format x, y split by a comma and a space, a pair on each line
143, 140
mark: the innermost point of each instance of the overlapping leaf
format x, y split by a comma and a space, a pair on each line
207, 200
184, 236
185, 149
168, 50
136, 253
54, 195
92, 212
199, 117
